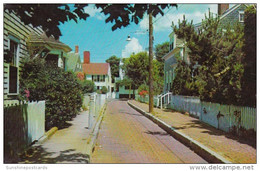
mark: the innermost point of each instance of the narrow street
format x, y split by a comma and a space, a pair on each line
126, 136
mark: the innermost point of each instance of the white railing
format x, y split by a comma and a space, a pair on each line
167, 99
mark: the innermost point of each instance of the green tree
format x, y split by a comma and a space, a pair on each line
114, 65
249, 48
136, 69
161, 50
184, 83
215, 57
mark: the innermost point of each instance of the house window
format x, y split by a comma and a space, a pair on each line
13, 65
95, 78
127, 87
241, 16
13, 52
102, 78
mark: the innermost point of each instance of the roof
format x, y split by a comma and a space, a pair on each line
44, 39
72, 60
96, 68
228, 11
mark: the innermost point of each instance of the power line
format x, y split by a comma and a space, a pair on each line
165, 14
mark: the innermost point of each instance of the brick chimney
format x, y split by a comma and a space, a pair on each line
77, 49
222, 8
86, 57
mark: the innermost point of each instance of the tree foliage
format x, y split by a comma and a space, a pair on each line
161, 50
114, 65
48, 16
51, 15
249, 48
123, 14
136, 68
215, 70
87, 86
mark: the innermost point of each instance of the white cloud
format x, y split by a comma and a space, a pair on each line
93, 11
133, 46
163, 23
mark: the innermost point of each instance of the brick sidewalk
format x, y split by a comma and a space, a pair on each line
222, 143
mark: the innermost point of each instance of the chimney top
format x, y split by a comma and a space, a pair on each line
222, 8
76, 49
86, 57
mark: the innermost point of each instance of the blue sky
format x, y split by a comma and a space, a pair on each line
96, 36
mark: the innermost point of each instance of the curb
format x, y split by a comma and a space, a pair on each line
47, 135
197, 147
94, 133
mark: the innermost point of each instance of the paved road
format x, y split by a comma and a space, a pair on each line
126, 136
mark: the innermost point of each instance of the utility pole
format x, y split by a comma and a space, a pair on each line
150, 62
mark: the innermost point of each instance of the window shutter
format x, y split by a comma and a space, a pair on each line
13, 78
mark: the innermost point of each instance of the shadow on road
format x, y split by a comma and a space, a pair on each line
156, 133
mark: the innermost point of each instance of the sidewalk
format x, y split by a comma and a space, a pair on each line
218, 141
68, 145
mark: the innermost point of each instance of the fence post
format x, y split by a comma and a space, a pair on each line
91, 110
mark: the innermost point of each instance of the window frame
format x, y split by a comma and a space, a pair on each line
15, 64
239, 16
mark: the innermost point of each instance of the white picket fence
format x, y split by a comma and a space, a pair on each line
188, 104
217, 115
36, 120
24, 122
145, 99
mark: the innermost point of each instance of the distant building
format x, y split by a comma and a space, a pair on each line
99, 73
122, 91
73, 62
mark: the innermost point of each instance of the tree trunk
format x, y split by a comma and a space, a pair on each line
150, 62
130, 92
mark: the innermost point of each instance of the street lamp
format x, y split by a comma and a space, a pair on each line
128, 38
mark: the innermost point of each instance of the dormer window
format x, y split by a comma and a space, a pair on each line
241, 16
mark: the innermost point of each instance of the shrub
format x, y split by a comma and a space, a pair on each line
104, 90
98, 91
87, 86
143, 87
80, 75
143, 93
61, 90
